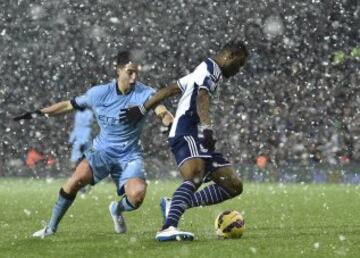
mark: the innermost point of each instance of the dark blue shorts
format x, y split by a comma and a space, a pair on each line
186, 147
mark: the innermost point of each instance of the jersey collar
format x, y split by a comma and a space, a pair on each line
119, 93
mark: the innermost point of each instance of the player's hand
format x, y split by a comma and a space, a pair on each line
132, 115
28, 115
206, 135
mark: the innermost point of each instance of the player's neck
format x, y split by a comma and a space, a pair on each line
121, 89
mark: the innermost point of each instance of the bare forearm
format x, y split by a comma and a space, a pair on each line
203, 107
57, 108
161, 95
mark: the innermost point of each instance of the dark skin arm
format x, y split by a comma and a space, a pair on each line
161, 95
204, 130
134, 114
203, 107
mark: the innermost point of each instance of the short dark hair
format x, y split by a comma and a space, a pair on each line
236, 47
123, 58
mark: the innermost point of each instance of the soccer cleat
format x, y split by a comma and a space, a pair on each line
46, 231
173, 234
165, 204
118, 219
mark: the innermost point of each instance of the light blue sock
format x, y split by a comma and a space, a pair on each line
62, 204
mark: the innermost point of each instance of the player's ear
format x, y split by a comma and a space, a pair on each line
228, 56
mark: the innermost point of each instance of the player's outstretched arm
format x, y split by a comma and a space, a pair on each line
58, 108
53, 110
161, 95
135, 114
205, 129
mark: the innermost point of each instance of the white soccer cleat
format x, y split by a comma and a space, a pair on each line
165, 204
173, 234
43, 233
118, 219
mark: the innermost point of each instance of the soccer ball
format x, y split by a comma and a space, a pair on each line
229, 224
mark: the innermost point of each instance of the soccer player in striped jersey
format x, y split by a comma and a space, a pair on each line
192, 139
116, 150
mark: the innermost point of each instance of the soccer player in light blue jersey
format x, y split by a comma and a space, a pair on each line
115, 151
192, 140
80, 136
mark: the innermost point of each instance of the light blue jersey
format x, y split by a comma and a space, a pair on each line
117, 139
80, 137
82, 126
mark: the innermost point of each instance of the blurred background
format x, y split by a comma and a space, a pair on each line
291, 115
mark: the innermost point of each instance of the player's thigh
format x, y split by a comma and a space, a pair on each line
193, 169
227, 178
130, 177
81, 177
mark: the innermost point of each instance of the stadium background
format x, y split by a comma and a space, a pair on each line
296, 101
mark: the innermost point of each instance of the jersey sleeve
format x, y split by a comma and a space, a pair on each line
204, 79
183, 82
87, 100
149, 93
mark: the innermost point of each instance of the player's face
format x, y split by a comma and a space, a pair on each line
232, 65
128, 75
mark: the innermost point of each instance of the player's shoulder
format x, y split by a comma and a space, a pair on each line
141, 88
209, 67
105, 86
102, 88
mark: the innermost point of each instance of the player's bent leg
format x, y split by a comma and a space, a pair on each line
228, 179
135, 190
227, 185
67, 194
188, 173
82, 176
192, 171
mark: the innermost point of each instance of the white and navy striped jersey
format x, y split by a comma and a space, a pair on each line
205, 76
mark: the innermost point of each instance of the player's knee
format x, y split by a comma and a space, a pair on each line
239, 187
236, 188
193, 170
136, 196
195, 175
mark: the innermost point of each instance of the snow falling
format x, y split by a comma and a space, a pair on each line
295, 103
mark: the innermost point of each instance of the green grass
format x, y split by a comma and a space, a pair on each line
281, 221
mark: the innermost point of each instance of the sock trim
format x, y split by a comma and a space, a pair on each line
129, 203
66, 196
